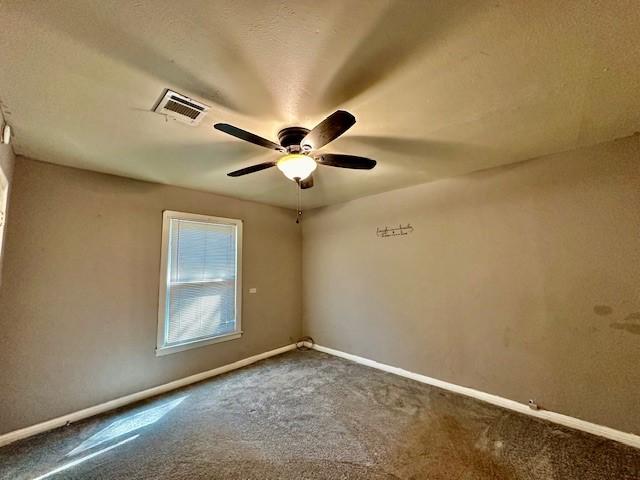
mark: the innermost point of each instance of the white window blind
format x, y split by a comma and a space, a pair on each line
200, 276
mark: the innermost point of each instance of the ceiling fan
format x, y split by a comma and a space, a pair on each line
299, 147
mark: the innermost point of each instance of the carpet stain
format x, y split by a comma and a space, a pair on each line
445, 437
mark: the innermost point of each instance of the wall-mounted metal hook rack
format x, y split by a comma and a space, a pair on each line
394, 231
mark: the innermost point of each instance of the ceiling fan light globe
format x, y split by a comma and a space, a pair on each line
296, 166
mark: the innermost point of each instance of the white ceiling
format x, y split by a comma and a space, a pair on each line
439, 88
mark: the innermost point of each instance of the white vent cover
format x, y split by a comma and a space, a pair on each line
181, 108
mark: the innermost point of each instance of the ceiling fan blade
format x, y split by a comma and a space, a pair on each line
345, 161
252, 169
329, 129
307, 182
247, 136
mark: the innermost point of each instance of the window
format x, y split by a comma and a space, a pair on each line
4, 194
200, 290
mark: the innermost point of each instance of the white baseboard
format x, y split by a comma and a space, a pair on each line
567, 421
559, 418
134, 397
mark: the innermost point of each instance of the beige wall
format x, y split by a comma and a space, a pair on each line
78, 305
522, 281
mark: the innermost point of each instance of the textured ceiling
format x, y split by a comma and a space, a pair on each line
439, 88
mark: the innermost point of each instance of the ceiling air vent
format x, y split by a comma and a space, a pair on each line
181, 108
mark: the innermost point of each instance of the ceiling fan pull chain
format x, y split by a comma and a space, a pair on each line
299, 216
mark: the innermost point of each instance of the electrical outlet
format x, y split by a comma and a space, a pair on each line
533, 405
253, 290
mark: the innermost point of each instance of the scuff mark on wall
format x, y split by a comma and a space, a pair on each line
633, 316
630, 324
629, 327
602, 310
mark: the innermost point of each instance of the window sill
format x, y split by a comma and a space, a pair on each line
160, 351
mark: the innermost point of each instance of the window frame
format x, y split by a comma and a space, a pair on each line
4, 207
167, 216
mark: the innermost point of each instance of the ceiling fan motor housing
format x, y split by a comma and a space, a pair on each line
291, 137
